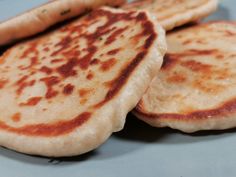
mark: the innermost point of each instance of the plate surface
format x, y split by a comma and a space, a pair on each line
139, 150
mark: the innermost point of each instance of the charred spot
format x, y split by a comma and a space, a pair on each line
16, 117
32, 49
107, 65
71, 53
46, 70
196, 66
109, 84
176, 78
56, 60
90, 76
50, 82
220, 56
142, 17
115, 34
195, 52
84, 92
3, 82
23, 83
170, 60
63, 44
122, 78
113, 52
31, 102
149, 41
95, 61
46, 49
67, 69
85, 61
68, 89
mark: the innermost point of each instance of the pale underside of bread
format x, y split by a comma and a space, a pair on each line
174, 13
65, 92
41, 18
196, 86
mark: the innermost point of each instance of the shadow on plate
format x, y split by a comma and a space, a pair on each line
136, 130
43, 161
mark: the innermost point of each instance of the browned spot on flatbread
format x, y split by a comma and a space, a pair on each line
3, 82
22, 83
67, 70
108, 64
113, 52
48, 130
177, 78
31, 102
46, 70
16, 117
121, 80
196, 66
196, 52
50, 82
170, 60
188, 41
113, 37
226, 108
68, 89
31, 50
95, 61
90, 75
208, 87
85, 92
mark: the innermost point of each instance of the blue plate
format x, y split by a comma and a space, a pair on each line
137, 151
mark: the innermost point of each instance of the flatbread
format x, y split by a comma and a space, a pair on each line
174, 13
65, 92
40, 18
196, 87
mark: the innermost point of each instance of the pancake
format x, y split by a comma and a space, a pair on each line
64, 92
195, 88
40, 18
173, 13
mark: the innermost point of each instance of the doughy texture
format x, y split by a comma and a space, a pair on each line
173, 13
40, 18
195, 89
64, 92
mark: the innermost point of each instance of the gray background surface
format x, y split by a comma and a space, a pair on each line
137, 151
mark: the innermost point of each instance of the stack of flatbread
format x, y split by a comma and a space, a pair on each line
64, 91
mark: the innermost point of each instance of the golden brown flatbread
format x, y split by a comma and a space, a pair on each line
64, 92
195, 89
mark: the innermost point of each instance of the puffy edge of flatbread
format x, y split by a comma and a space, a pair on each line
42, 17
104, 121
190, 15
